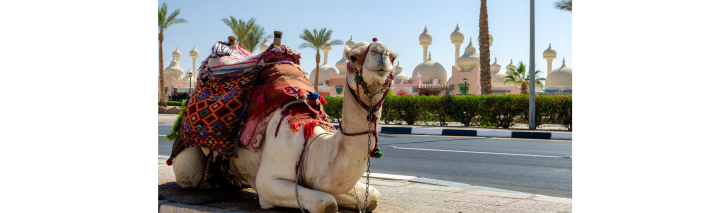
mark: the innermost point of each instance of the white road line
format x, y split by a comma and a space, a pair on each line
491, 153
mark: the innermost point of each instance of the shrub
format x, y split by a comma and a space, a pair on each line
501, 111
172, 103
333, 108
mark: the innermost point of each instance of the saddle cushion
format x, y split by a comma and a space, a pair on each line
217, 109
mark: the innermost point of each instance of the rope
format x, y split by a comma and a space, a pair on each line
302, 167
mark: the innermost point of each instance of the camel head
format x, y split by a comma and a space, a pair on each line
376, 67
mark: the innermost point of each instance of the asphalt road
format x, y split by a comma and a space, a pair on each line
532, 166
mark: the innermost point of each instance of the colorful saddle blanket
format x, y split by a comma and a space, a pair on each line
230, 81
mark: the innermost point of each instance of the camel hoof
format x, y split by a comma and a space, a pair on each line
332, 208
372, 205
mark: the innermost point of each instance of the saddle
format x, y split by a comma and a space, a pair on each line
236, 94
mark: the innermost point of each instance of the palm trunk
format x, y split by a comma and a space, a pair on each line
524, 88
317, 71
162, 76
485, 78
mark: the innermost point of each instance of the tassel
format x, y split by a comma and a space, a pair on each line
261, 98
377, 153
314, 96
374, 39
169, 161
309, 129
323, 101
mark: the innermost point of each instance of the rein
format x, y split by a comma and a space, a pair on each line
371, 118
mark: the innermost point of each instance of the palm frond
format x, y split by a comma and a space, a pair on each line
565, 5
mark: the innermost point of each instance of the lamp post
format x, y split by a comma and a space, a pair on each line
531, 122
190, 74
466, 86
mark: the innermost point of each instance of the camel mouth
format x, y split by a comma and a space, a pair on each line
380, 72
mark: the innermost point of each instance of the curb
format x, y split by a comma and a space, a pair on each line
478, 133
480, 190
441, 183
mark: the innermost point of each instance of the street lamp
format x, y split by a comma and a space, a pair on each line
531, 122
190, 74
466, 86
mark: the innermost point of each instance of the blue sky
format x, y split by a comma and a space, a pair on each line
396, 23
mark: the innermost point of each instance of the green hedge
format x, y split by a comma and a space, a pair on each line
471, 110
172, 103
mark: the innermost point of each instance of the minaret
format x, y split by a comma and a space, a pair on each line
194, 53
425, 41
457, 37
549, 55
326, 48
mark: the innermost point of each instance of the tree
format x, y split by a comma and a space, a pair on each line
485, 78
256, 36
565, 5
316, 40
519, 77
240, 29
164, 22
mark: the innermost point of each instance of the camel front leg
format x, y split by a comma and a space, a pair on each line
281, 192
347, 200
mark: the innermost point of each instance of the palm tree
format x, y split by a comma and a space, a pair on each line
240, 28
519, 77
316, 40
485, 79
164, 22
256, 36
565, 5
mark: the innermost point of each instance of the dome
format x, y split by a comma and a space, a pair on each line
189, 72
173, 69
457, 36
450, 80
490, 40
194, 52
264, 46
560, 76
469, 59
494, 68
176, 53
497, 77
326, 47
511, 65
325, 70
429, 70
549, 53
341, 65
351, 43
398, 69
400, 77
425, 37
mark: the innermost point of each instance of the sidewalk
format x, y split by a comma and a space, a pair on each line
554, 132
397, 195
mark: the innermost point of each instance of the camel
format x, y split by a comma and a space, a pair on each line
333, 163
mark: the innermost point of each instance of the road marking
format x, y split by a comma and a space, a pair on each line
491, 153
457, 136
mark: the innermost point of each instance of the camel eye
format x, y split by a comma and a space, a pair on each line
353, 58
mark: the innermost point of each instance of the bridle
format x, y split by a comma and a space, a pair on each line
370, 108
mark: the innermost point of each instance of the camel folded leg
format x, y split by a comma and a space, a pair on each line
189, 167
347, 200
281, 192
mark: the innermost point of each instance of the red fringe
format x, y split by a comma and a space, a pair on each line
169, 161
309, 129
